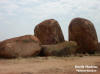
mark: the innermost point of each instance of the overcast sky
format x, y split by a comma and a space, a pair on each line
19, 17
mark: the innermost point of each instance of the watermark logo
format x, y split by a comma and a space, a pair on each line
86, 68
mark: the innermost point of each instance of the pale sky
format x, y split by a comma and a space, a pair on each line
19, 17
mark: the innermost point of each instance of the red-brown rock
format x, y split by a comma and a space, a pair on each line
23, 46
98, 45
49, 32
98, 50
83, 32
61, 49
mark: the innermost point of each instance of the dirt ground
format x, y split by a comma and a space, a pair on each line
48, 65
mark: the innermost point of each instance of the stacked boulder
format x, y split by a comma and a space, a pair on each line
49, 32
83, 32
48, 40
52, 40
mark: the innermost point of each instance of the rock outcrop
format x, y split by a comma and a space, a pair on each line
83, 32
49, 32
60, 49
23, 46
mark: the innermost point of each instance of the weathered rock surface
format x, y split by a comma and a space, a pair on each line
49, 32
98, 49
83, 32
60, 49
98, 45
23, 46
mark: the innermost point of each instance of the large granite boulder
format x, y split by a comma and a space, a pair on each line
60, 49
23, 46
49, 32
83, 32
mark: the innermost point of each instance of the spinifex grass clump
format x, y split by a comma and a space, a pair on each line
26, 40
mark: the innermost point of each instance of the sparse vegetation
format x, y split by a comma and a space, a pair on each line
26, 40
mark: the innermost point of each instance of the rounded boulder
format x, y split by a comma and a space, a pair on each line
83, 32
49, 32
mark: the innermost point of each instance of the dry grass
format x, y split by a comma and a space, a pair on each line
46, 65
